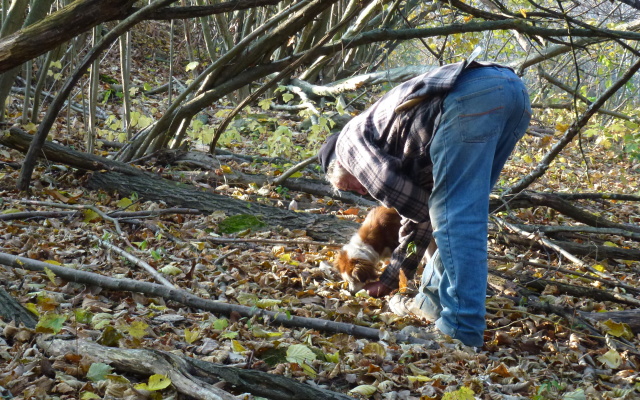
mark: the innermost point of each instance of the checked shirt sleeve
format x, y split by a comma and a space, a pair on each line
414, 240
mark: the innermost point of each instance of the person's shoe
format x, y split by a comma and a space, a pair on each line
434, 339
404, 306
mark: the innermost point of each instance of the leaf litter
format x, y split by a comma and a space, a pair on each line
528, 353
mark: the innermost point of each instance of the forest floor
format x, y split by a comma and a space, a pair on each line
528, 353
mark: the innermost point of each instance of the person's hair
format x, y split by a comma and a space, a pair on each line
335, 173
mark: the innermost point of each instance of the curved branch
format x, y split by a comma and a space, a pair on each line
188, 12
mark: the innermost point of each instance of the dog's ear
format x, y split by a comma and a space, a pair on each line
364, 271
342, 263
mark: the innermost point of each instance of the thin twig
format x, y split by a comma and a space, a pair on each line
135, 260
76, 207
280, 179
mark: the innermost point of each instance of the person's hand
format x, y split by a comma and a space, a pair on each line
377, 289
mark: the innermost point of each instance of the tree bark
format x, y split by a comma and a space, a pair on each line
11, 310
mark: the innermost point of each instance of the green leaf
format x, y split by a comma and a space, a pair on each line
287, 97
89, 395
83, 316
299, 353
265, 103
110, 337
50, 323
240, 222
98, 372
220, 324
101, 320
156, 255
575, 395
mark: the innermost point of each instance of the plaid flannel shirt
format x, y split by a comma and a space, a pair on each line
388, 152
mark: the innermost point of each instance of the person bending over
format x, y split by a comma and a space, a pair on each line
432, 148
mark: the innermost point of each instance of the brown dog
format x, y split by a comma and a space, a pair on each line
376, 239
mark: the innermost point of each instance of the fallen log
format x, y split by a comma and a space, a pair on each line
126, 179
318, 226
190, 376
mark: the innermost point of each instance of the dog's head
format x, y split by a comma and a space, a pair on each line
355, 271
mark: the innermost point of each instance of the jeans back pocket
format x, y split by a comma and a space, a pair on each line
481, 114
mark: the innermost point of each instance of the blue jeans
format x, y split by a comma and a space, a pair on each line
483, 117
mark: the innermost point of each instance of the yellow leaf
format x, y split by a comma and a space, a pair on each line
611, 359
464, 393
198, 245
226, 169
237, 347
364, 390
618, 329
418, 378
32, 307
527, 158
156, 382
333, 358
50, 274
191, 335
90, 216
374, 349
266, 303
138, 329
599, 267
299, 353
124, 203
523, 12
